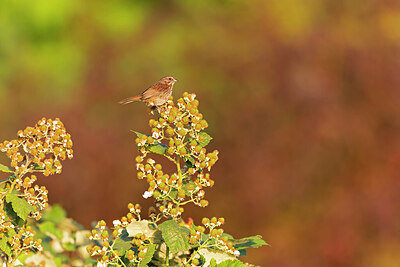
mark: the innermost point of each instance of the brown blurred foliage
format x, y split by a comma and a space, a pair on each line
302, 99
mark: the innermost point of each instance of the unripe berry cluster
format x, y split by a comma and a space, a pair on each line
209, 235
40, 148
178, 134
23, 240
104, 250
37, 149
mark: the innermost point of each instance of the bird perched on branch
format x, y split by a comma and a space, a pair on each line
156, 95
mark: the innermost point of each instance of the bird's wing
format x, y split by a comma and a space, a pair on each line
154, 90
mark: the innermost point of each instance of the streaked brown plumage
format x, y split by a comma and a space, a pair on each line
156, 95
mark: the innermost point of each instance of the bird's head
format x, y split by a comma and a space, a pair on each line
168, 80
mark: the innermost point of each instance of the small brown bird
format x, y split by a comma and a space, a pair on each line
156, 95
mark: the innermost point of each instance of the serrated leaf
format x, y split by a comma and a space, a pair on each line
206, 139
143, 227
218, 256
157, 148
176, 237
122, 246
4, 168
151, 248
50, 229
19, 205
54, 214
22, 257
249, 242
231, 263
13, 215
5, 246
140, 135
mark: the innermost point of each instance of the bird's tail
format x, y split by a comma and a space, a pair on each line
130, 100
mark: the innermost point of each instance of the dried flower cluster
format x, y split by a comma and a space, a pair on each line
178, 135
38, 149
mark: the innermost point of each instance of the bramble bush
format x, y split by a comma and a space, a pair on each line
33, 234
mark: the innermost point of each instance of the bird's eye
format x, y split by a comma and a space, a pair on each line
170, 78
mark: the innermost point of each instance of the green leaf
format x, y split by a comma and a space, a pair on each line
157, 148
230, 237
90, 262
151, 248
242, 252
54, 214
216, 256
122, 246
11, 213
22, 257
202, 260
206, 138
4, 168
19, 205
50, 229
5, 246
7, 179
69, 246
144, 227
231, 263
249, 242
59, 260
140, 135
176, 237
190, 161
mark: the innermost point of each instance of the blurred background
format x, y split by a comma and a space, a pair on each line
302, 99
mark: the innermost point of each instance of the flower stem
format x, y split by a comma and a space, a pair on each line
167, 257
179, 170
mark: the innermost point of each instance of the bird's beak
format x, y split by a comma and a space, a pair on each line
175, 80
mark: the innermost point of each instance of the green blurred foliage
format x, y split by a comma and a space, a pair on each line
302, 98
